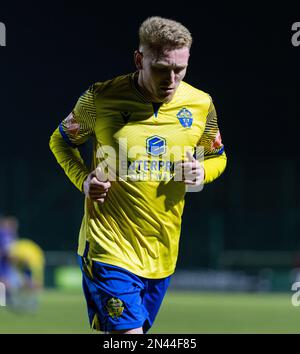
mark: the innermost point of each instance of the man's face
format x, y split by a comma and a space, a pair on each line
160, 73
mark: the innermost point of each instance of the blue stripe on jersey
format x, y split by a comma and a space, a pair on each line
221, 151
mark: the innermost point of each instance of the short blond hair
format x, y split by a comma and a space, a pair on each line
158, 32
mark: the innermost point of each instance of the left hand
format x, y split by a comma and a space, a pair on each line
191, 170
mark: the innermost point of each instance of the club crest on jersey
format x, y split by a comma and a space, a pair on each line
185, 117
115, 307
156, 145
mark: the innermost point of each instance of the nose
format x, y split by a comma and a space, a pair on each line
172, 76
169, 77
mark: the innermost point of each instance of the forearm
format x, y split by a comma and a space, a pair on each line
214, 167
69, 159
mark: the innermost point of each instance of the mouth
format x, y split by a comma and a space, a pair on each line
167, 89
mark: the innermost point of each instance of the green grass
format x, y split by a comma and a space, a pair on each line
182, 312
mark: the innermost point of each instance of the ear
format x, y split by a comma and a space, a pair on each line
138, 59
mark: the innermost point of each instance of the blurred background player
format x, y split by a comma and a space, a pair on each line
22, 265
8, 235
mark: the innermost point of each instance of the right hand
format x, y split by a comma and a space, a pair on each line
96, 186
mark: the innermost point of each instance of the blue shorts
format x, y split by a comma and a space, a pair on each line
118, 299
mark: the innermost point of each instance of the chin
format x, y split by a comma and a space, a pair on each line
168, 98
163, 97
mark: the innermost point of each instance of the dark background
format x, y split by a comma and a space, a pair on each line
241, 55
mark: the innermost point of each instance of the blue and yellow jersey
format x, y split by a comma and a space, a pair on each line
137, 143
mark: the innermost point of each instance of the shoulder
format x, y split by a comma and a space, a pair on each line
195, 93
114, 85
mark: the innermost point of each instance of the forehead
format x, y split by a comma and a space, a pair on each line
173, 57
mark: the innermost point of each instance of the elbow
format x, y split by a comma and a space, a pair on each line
53, 140
56, 141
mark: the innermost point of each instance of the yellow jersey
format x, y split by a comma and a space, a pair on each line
26, 254
137, 143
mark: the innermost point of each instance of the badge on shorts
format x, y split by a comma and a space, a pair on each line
115, 307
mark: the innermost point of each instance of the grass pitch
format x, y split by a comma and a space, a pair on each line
182, 312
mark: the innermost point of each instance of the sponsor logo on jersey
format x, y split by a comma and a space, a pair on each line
217, 143
125, 116
72, 127
156, 145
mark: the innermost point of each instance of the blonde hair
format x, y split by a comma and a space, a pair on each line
158, 32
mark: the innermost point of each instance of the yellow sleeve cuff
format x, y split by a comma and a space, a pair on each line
214, 167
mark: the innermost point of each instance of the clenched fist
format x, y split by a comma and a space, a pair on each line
96, 186
190, 171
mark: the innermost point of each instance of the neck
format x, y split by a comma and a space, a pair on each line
142, 89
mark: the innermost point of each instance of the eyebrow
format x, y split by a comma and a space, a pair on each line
169, 65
